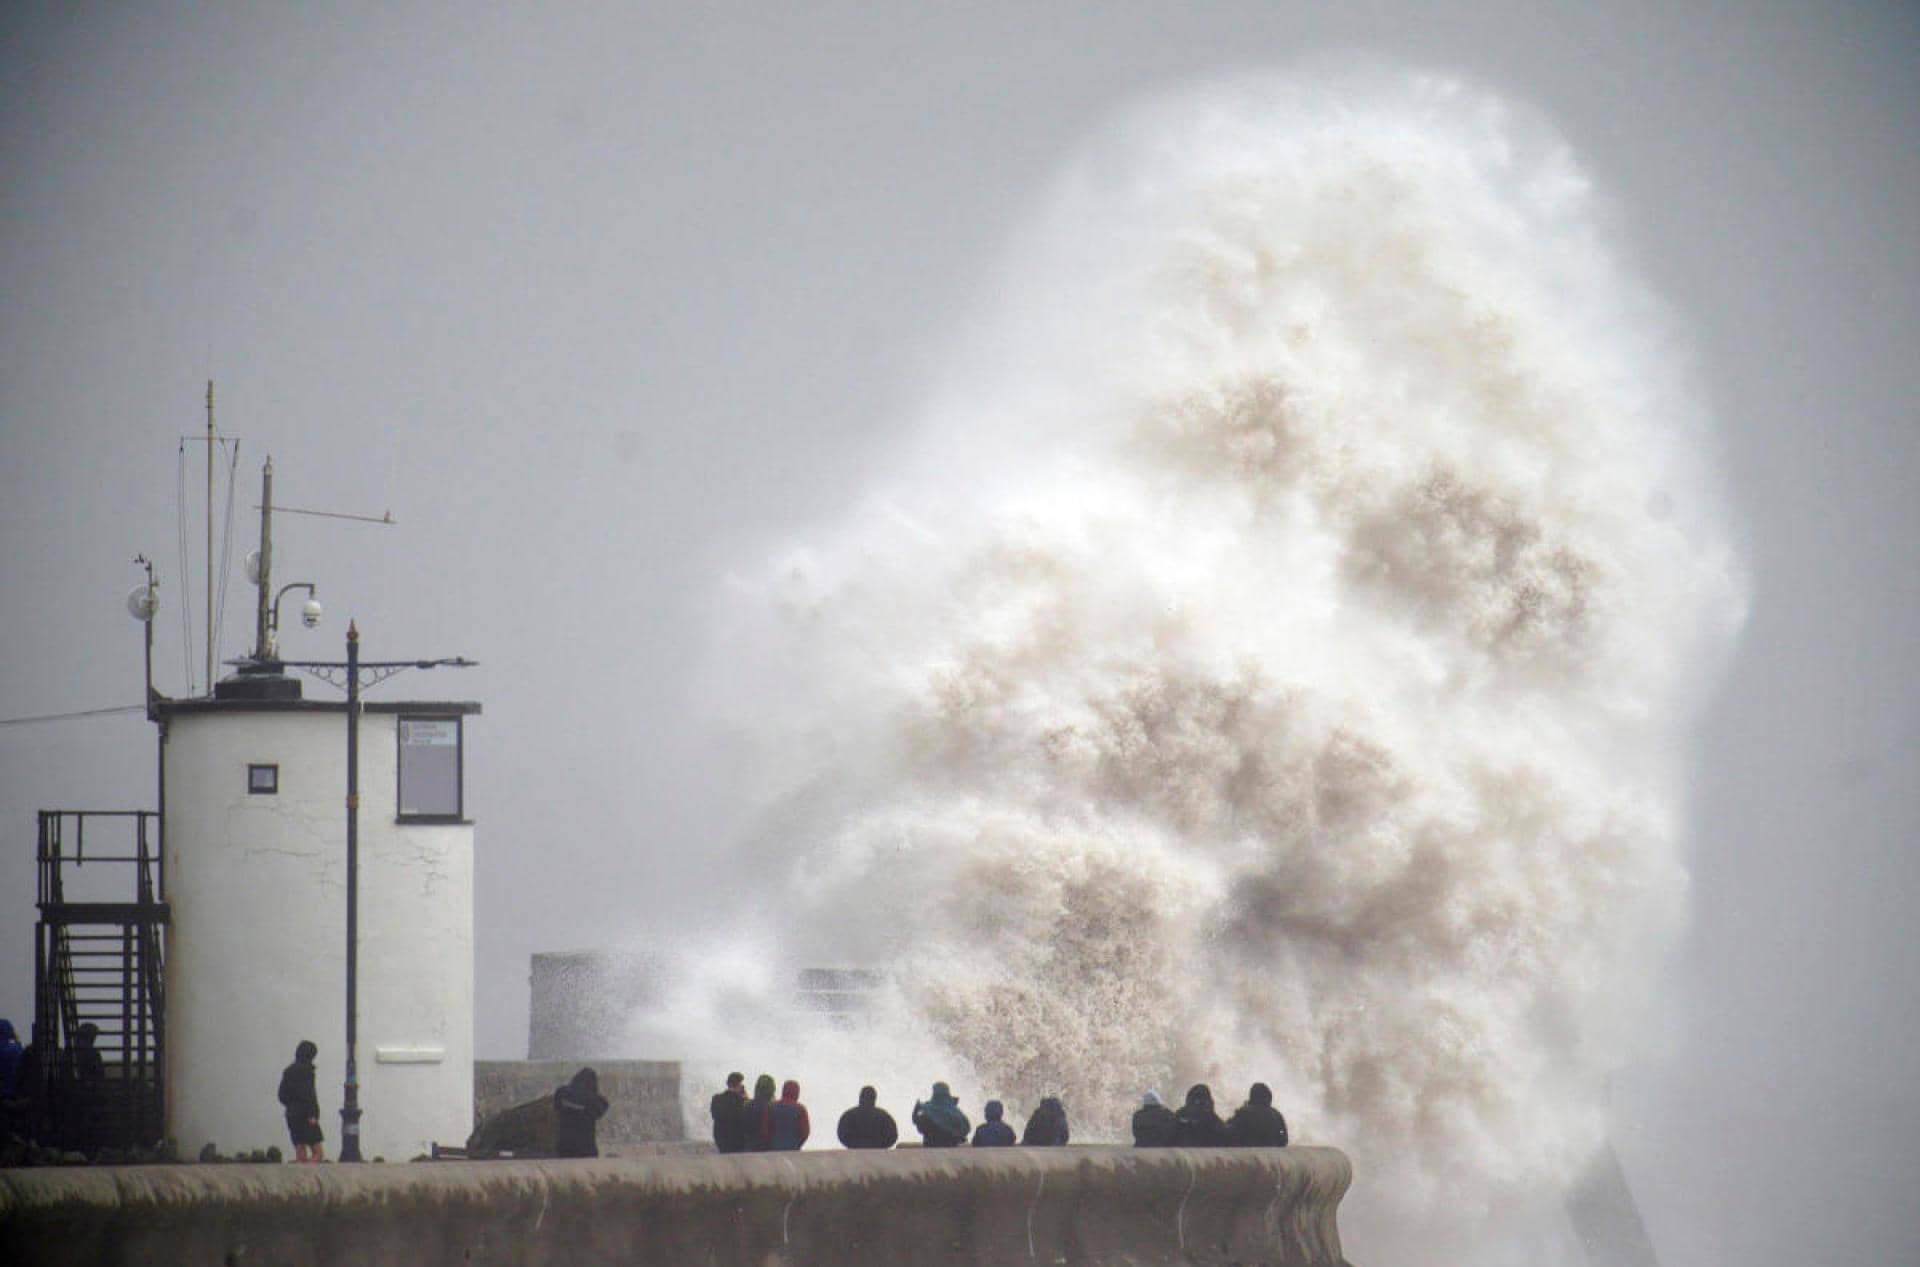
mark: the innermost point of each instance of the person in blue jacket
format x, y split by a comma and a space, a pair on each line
11, 1054
993, 1133
939, 1120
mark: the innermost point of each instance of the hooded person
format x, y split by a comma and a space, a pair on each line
939, 1120
1153, 1123
302, 1104
1196, 1125
1047, 1127
993, 1133
11, 1054
729, 1108
788, 1126
576, 1107
867, 1125
89, 1066
1257, 1124
756, 1123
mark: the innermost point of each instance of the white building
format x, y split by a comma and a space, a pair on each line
254, 812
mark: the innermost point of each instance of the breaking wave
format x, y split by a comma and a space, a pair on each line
1272, 655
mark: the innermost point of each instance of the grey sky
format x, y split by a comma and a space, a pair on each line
602, 304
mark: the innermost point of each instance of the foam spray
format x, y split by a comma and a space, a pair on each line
1271, 657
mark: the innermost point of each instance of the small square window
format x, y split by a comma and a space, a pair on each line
263, 780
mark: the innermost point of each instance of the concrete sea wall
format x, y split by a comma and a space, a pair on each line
1089, 1207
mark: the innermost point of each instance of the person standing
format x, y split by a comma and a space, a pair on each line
867, 1125
576, 1107
302, 1104
1257, 1124
994, 1132
788, 1125
756, 1124
1153, 1123
729, 1110
939, 1120
1196, 1125
1047, 1127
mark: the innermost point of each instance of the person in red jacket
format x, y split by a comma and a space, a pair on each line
787, 1124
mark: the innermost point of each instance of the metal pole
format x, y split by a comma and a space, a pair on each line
209, 631
153, 606
262, 650
350, 1110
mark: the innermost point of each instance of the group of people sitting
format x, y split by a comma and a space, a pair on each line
1255, 1124
764, 1124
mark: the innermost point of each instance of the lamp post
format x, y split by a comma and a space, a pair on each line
350, 1104
377, 671
142, 603
309, 616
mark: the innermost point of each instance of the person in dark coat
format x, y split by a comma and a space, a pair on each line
939, 1120
756, 1124
788, 1126
1047, 1127
1153, 1123
11, 1054
302, 1103
729, 1110
576, 1107
1196, 1125
867, 1125
993, 1133
1257, 1124
88, 1066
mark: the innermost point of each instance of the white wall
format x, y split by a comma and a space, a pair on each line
256, 954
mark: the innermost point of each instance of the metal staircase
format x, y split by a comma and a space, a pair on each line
99, 1020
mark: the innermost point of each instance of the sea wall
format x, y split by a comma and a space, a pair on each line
1093, 1207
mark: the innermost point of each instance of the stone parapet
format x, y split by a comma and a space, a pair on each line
1087, 1207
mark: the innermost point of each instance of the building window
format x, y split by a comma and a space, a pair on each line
263, 780
430, 771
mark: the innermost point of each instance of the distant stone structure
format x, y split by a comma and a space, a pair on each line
843, 996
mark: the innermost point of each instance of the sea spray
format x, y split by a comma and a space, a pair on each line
1270, 660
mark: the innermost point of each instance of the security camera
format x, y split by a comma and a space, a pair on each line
310, 613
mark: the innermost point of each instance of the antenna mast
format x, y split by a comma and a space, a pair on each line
262, 649
209, 536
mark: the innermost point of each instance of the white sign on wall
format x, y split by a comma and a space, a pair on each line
433, 733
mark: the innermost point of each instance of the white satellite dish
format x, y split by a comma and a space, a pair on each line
142, 602
253, 567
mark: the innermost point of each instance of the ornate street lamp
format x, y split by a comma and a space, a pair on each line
349, 674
